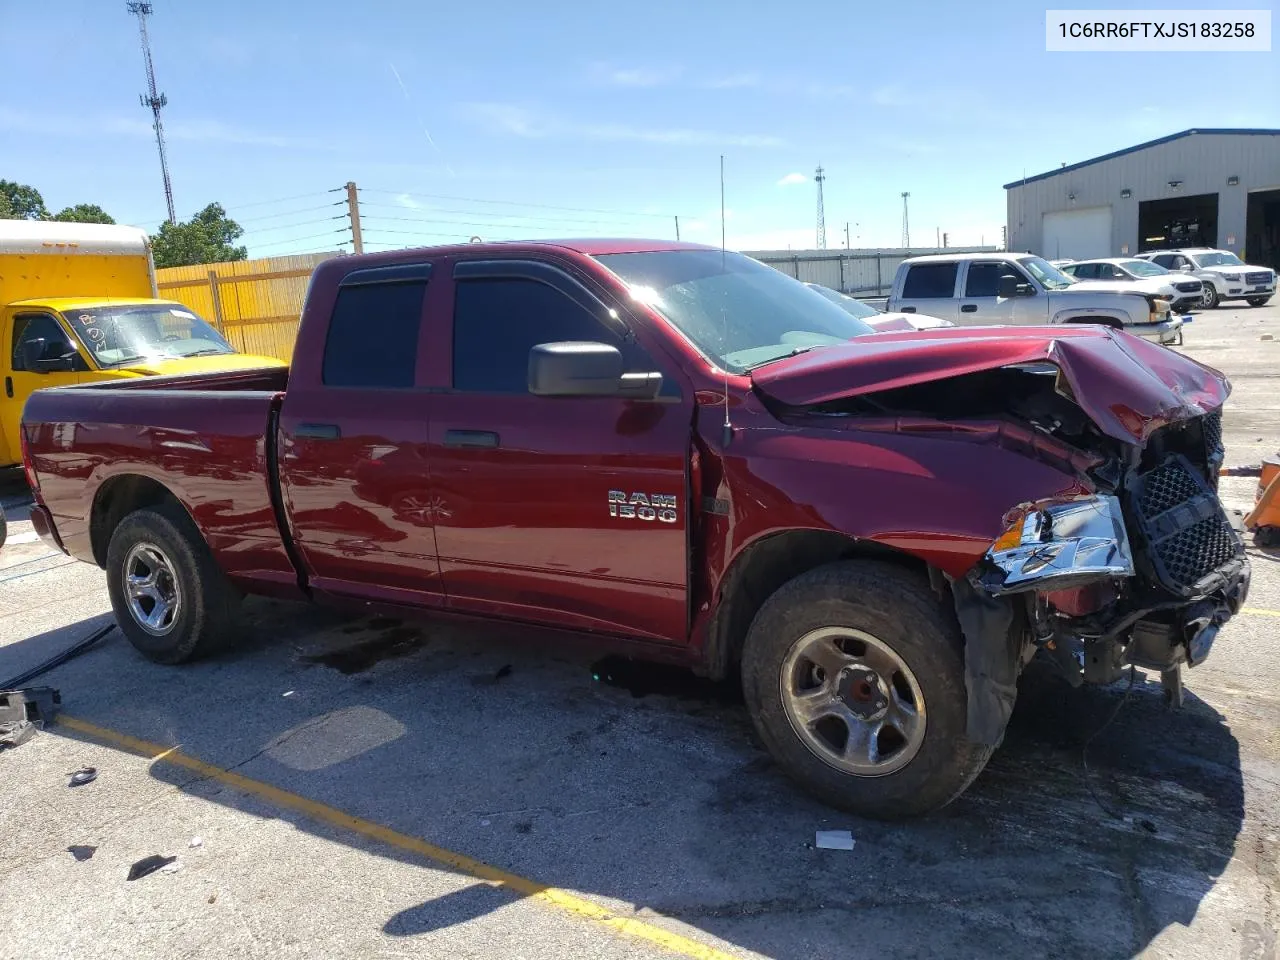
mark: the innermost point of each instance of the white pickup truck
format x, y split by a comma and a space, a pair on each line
1022, 289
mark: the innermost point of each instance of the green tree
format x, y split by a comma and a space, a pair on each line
208, 237
23, 202
6, 208
84, 213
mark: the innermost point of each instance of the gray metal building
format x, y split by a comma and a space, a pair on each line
1213, 188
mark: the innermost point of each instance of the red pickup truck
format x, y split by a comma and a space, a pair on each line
694, 457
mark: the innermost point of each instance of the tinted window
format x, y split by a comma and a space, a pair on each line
984, 279
373, 335
39, 326
497, 322
1166, 260
930, 281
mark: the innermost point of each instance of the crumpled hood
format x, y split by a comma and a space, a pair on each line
1127, 386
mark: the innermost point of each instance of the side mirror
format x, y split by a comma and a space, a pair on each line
1185, 268
1010, 286
584, 369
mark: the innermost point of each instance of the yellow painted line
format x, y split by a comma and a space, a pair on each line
550, 896
1260, 612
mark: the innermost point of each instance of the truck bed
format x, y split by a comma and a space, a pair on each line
207, 437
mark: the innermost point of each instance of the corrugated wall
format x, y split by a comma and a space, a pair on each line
256, 304
860, 273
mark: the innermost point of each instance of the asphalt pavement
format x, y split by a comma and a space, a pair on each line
338, 787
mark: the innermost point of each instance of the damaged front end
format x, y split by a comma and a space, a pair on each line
1143, 572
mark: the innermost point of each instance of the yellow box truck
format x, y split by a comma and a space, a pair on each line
78, 304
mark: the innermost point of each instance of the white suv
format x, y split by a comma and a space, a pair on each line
1224, 275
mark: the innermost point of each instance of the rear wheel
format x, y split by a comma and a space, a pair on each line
169, 597
854, 676
1258, 301
1210, 296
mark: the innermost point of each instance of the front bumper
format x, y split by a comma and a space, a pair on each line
1164, 332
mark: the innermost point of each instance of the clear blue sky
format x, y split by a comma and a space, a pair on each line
612, 107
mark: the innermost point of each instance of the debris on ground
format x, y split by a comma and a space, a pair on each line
23, 712
83, 776
834, 840
196, 842
148, 865
82, 852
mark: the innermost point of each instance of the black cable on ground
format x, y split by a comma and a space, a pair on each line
58, 659
1084, 751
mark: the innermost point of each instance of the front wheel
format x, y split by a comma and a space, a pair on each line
1210, 296
1258, 301
169, 597
854, 677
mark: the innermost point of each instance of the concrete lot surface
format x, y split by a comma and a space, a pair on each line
366, 788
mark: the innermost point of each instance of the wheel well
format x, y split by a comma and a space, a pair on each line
766, 565
115, 500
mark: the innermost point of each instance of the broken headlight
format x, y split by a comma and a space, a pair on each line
1057, 545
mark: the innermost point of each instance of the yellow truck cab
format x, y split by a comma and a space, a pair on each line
78, 304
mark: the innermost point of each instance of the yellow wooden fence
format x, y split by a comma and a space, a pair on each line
255, 304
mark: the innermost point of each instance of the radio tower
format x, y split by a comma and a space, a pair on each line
906, 227
819, 177
154, 100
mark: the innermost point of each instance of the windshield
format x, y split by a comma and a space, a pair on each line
1050, 277
855, 308
1143, 268
1219, 259
736, 310
151, 331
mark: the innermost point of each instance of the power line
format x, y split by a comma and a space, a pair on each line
290, 226
511, 203
316, 236
298, 196
287, 213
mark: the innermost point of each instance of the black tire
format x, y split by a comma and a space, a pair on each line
1211, 298
901, 611
4, 527
1258, 301
207, 604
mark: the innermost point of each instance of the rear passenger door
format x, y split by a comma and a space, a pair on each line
929, 288
353, 446
570, 511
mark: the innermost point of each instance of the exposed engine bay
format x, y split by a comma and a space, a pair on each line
1144, 571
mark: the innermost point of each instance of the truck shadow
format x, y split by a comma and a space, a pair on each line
505, 745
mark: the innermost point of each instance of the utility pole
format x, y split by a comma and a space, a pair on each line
906, 227
154, 100
937, 232
353, 211
677, 229
846, 236
819, 178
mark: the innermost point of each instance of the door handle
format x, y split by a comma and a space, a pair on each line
908, 309
969, 308
470, 438
8, 387
318, 431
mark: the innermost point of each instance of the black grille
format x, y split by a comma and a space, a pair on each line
1187, 286
1263, 276
1183, 522
1211, 426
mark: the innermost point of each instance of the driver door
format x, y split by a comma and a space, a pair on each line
21, 328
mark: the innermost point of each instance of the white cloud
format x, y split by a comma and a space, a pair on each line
793, 178
408, 202
616, 76
521, 122
733, 81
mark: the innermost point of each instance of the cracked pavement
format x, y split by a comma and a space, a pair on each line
659, 808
